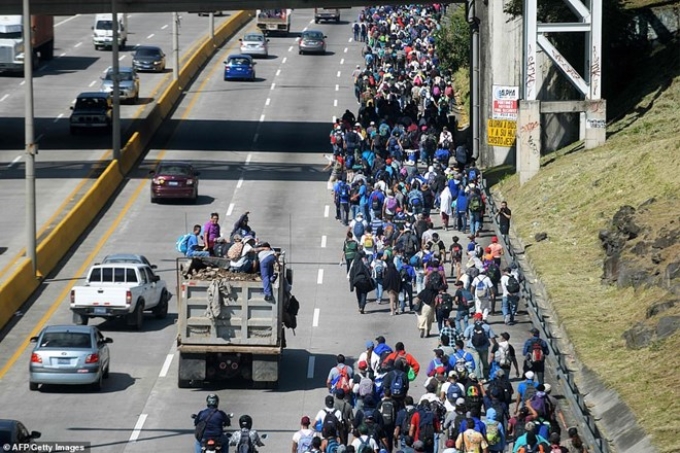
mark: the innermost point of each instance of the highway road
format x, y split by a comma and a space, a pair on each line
66, 164
259, 146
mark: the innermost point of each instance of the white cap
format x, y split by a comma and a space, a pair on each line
529, 375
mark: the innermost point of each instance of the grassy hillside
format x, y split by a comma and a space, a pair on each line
573, 197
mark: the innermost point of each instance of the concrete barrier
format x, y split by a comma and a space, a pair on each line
19, 287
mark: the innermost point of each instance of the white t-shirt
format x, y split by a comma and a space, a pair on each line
356, 443
322, 414
445, 388
304, 432
483, 278
504, 284
375, 360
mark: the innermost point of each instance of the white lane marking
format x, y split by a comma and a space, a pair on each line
262, 118
239, 183
345, 50
14, 162
78, 44
311, 21
92, 83
122, 57
22, 83
304, 29
335, 118
284, 60
59, 117
166, 365
248, 157
290, 49
335, 103
278, 72
319, 277
138, 428
150, 36
310, 367
62, 55
329, 185
255, 138
315, 319
324, 239
230, 209
267, 102
350, 40
342, 61
4, 97
273, 86
164, 27
337, 87
339, 73
66, 20
326, 210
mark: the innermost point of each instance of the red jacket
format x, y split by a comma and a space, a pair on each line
413, 363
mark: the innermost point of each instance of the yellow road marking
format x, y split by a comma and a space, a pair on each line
114, 226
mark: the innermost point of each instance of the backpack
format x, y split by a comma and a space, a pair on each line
234, 252
475, 203
473, 272
332, 445
447, 302
398, 385
344, 191
493, 435
536, 354
416, 261
182, 244
391, 204
481, 290
539, 448
375, 202
359, 229
479, 337
435, 281
472, 174
473, 398
365, 386
512, 285
457, 251
479, 250
368, 241
409, 245
342, 381
540, 404
379, 269
305, 442
453, 393
414, 200
388, 412
245, 444
529, 391
406, 423
494, 273
426, 429
351, 248
502, 355
330, 422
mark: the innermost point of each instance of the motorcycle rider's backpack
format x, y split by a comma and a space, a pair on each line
182, 244
245, 443
305, 442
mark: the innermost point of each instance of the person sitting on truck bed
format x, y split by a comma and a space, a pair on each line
195, 246
248, 262
242, 228
267, 258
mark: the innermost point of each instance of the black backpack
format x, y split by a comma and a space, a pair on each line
426, 429
330, 422
406, 424
435, 281
375, 202
447, 302
479, 337
512, 285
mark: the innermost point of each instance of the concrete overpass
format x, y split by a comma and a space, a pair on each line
66, 7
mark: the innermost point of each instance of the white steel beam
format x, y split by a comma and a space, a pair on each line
564, 27
595, 51
579, 9
530, 48
566, 68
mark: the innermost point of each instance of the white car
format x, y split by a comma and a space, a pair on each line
255, 44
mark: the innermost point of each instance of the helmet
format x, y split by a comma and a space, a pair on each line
212, 400
245, 421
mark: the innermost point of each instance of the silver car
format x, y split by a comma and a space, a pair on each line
255, 44
69, 355
312, 41
128, 83
127, 258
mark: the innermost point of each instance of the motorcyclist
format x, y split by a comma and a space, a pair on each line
245, 422
215, 420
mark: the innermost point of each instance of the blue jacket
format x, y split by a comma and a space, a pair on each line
216, 420
461, 201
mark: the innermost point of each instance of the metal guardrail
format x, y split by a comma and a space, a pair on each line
588, 430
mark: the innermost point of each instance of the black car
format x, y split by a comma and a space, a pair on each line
148, 58
14, 432
92, 111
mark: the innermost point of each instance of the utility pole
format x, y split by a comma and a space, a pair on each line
175, 45
116, 81
212, 26
31, 146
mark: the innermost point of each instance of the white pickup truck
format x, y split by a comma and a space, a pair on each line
120, 290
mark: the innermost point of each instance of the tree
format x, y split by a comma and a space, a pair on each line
452, 40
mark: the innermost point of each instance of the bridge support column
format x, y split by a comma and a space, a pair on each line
528, 140
596, 124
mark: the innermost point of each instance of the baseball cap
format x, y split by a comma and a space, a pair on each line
369, 344
478, 316
529, 375
505, 335
547, 387
363, 365
305, 420
452, 373
494, 239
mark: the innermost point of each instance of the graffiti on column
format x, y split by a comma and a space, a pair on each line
531, 72
529, 134
566, 67
595, 72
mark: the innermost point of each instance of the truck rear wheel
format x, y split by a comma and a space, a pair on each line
136, 318
80, 320
161, 310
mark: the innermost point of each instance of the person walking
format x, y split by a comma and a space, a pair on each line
392, 285
504, 215
360, 280
535, 351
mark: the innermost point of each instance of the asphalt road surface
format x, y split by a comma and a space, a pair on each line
260, 148
67, 165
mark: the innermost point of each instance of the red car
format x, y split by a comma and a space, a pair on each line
174, 180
